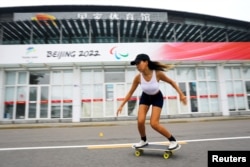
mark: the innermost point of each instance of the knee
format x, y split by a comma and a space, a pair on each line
140, 122
154, 125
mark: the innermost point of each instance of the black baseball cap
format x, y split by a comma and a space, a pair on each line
139, 58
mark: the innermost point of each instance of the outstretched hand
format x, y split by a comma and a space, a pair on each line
119, 110
183, 99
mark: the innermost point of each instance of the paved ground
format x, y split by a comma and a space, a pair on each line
71, 144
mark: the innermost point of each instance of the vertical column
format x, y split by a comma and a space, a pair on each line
90, 37
222, 91
31, 34
118, 31
147, 31
76, 115
1, 93
61, 34
1, 35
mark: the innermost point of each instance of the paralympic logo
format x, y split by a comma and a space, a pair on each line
117, 54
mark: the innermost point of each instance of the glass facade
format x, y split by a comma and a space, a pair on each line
49, 94
237, 81
38, 94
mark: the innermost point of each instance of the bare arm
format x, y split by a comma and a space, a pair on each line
135, 83
163, 77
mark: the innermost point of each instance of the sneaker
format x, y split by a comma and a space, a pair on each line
141, 144
173, 145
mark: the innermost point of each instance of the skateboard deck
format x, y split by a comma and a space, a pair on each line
155, 147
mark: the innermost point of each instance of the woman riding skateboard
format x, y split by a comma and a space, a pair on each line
151, 72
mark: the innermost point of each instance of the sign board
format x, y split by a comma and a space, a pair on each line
141, 16
65, 53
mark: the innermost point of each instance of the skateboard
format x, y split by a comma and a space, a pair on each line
155, 147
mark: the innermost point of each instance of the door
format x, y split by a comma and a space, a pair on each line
190, 91
38, 102
114, 93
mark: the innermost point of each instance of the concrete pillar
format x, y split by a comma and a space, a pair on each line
1, 94
223, 101
76, 113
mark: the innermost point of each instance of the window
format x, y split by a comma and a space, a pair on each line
92, 93
246, 72
61, 94
10, 78
235, 91
207, 89
39, 78
114, 75
15, 95
22, 78
186, 73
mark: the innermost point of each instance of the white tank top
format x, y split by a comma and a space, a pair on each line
150, 87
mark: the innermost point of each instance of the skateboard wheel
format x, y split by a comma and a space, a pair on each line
137, 153
166, 155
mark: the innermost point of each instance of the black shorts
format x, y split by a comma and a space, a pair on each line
154, 100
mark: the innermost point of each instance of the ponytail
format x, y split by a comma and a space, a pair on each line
155, 65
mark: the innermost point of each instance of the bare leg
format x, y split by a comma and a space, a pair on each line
154, 122
142, 113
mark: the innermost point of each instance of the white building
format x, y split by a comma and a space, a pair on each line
61, 64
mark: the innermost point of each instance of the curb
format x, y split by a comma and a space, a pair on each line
117, 122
